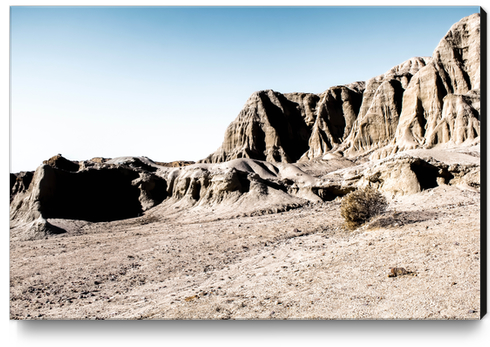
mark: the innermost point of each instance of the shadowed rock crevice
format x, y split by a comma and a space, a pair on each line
430, 176
196, 190
332, 192
244, 181
421, 120
426, 174
292, 131
94, 195
398, 97
258, 139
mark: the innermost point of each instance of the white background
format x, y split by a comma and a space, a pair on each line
208, 333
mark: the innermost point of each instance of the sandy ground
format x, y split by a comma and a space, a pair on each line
299, 264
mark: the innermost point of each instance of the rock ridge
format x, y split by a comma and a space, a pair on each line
421, 103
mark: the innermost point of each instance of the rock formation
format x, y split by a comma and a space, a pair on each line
272, 126
20, 182
441, 103
287, 150
126, 187
59, 162
421, 103
177, 163
336, 113
96, 192
381, 106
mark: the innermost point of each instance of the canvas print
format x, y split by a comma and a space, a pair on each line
208, 163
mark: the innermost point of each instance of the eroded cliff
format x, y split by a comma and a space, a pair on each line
421, 103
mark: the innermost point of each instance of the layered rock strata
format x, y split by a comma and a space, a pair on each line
421, 103
272, 126
126, 187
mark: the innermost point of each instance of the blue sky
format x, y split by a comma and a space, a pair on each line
165, 82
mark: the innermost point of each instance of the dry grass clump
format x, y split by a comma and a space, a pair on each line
361, 205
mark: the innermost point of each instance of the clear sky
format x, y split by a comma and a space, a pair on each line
165, 82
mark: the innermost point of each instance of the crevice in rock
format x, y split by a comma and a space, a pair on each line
330, 193
95, 195
290, 126
258, 141
244, 181
398, 97
196, 190
429, 175
421, 118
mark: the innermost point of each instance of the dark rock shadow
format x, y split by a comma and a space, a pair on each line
398, 219
51, 229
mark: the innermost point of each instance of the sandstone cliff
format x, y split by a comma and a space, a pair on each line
421, 103
442, 102
272, 126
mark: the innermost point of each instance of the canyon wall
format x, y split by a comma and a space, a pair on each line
422, 103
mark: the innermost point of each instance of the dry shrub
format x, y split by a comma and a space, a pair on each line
361, 205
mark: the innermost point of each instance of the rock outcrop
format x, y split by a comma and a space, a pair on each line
177, 163
379, 133
97, 192
441, 103
336, 114
126, 187
272, 126
380, 111
20, 182
408, 173
421, 103
59, 162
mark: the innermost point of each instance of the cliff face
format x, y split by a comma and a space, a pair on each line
272, 126
421, 103
91, 190
441, 103
378, 118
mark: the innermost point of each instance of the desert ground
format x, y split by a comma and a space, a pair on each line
204, 263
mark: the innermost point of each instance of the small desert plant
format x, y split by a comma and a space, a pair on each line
361, 205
